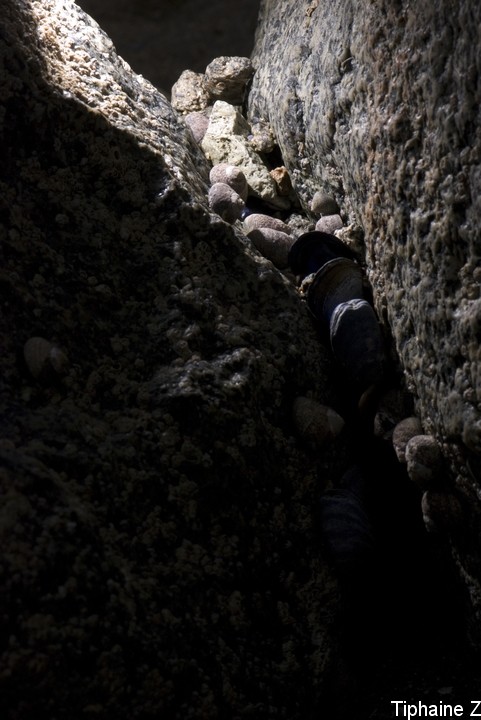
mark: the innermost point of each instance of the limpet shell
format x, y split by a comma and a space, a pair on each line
424, 459
402, 433
224, 201
357, 343
232, 176
336, 282
44, 359
273, 244
315, 423
314, 249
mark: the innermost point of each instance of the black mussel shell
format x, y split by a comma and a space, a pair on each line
313, 249
335, 282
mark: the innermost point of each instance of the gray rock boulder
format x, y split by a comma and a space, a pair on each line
377, 105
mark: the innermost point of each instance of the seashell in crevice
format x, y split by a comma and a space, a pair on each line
345, 525
337, 281
323, 204
316, 423
224, 201
273, 244
329, 224
313, 249
442, 512
357, 343
402, 433
232, 176
43, 359
254, 221
425, 462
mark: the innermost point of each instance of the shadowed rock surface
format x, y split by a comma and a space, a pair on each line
158, 554
378, 105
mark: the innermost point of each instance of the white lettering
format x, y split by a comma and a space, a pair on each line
397, 703
475, 713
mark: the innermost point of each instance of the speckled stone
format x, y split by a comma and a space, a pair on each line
273, 244
424, 460
231, 175
259, 220
404, 430
189, 93
226, 141
226, 78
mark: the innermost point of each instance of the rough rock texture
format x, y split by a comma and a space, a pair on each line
158, 551
378, 104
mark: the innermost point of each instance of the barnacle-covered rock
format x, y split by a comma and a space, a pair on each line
425, 462
224, 201
402, 434
316, 423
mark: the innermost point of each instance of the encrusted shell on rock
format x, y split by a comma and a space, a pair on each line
224, 201
44, 359
273, 244
232, 176
315, 423
357, 343
254, 221
424, 459
442, 511
336, 282
226, 78
402, 433
329, 223
313, 249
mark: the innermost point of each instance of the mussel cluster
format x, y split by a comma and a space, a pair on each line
336, 297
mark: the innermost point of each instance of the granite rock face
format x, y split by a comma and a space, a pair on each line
158, 551
378, 104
